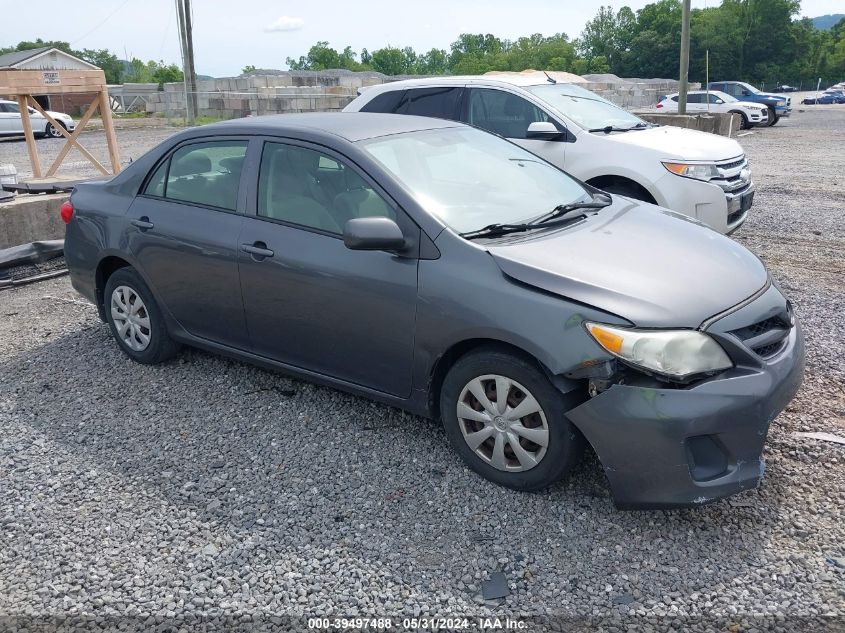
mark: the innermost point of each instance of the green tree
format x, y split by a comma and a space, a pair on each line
246, 70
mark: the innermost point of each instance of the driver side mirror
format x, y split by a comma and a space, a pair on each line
373, 234
544, 131
719, 101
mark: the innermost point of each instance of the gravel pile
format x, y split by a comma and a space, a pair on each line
207, 488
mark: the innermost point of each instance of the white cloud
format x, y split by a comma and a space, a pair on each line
285, 23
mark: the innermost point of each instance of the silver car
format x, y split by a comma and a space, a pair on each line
11, 123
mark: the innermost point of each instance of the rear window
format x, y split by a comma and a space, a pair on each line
385, 102
440, 103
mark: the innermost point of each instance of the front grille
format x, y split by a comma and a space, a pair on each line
732, 165
765, 338
735, 216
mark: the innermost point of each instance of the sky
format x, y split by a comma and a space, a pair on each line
230, 35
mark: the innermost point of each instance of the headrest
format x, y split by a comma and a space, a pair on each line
190, 164
233, 164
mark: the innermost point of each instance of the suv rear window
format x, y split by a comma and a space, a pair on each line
385, 102
440, 103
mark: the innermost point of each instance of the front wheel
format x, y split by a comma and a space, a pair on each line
135, 319
507, 421
744, 124
52, 132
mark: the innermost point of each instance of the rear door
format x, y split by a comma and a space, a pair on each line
509, 115
10, 118
310, 301
184, 231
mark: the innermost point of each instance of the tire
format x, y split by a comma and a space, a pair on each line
52, 132
482, 371
773, 117
744, 125
146, 340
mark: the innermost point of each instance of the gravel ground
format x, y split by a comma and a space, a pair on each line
209, 487
132, 143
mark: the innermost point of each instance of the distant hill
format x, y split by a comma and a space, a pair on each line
827, 22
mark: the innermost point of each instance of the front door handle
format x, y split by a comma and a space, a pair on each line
258, 250
143, 223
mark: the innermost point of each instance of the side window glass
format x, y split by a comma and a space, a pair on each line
155, 185
503, 113
694, 98
206, 173
305, 187
441, 103
385, 102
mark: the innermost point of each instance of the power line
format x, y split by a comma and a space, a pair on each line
103, 21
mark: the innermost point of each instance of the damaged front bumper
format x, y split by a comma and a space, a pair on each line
664, 447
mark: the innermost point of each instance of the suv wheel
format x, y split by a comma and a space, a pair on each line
507, 421
135, 319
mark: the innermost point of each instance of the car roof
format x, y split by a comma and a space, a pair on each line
516, 79
352, 126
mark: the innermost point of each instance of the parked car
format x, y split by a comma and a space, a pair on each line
785, 88
444, 270
779, 105
825, 98
714, 101
12, 124
700, 175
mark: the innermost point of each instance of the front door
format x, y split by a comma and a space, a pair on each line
310, 301
183, 231
509, 115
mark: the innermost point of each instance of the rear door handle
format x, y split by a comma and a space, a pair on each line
143, 223
257, 250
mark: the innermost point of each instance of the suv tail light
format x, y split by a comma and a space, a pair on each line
66, 211
659, 105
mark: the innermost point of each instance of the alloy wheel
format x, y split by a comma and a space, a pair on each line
131, 319
503, 423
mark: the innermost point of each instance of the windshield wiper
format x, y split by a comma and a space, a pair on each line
612, 128
561, 214
575, 209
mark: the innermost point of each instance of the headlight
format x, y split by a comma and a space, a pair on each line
678, 354
690, 170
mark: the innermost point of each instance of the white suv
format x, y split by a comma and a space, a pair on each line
714, 101
701, 175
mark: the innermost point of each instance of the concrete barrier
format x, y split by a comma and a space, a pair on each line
727, 124
31, 218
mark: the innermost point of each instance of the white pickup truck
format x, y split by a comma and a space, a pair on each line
701, 175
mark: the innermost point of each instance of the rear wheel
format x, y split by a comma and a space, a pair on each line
135, 319
507, 421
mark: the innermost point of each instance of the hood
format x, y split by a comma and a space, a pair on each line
770, 95
646, 264
748, 104
58, 115
678, 143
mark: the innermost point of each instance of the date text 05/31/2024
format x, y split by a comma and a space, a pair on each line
420, 623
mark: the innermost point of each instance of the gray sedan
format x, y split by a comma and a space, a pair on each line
441, 269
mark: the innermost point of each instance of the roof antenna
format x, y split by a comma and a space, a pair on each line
549, 78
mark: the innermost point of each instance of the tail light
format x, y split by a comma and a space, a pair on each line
66, 211
659, 105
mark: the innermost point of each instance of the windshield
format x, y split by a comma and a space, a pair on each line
586, 109
471, 179
724, 96
750, 88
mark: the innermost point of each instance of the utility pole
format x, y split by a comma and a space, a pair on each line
186, 45
684, 71
189, 38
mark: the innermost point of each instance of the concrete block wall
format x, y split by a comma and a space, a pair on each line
307, 91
